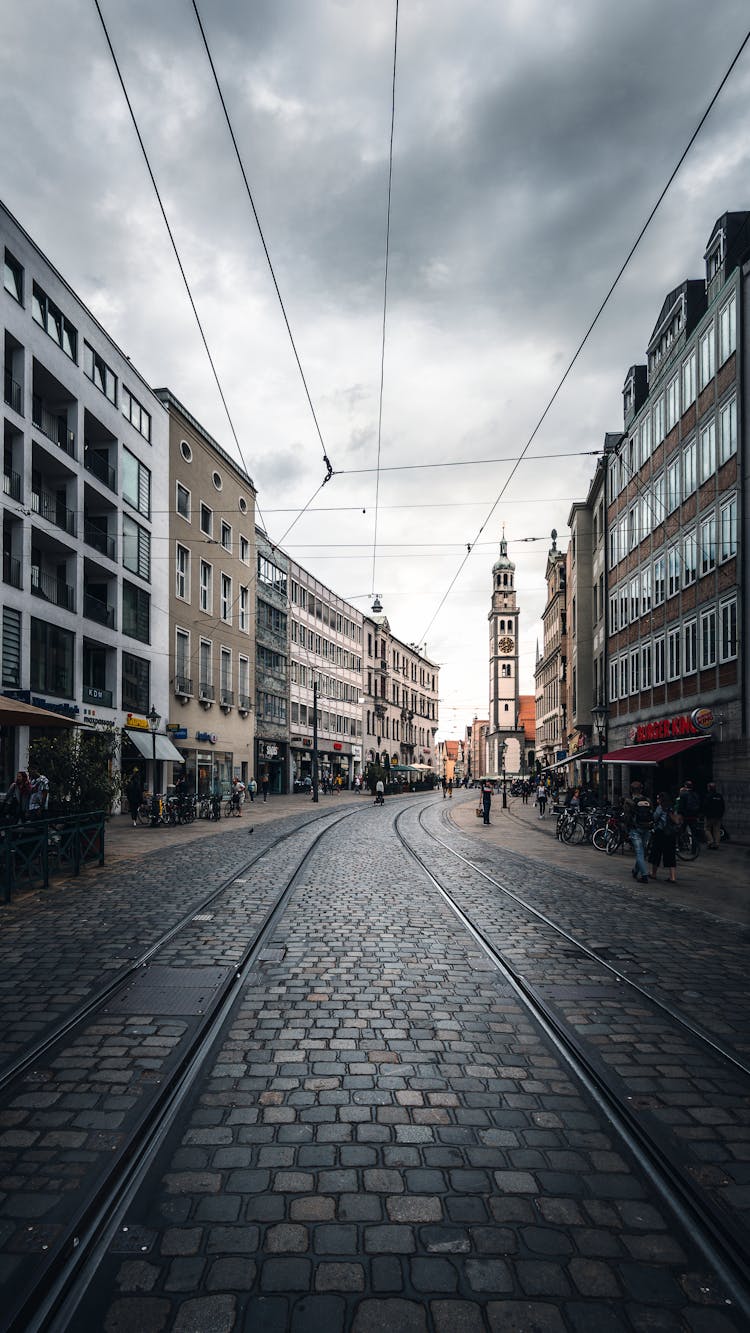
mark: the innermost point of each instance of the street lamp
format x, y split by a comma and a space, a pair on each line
599, 715
154, 719
315, 740
505, 792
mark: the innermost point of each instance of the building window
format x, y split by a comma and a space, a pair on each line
183, 501
728, 630
673, 486
728, 430
659, 509
673, 654
707, 356
182, 588
97, 370
136, 414
136, 548
635, 661
728, 530
690, 647
658, 420
54, 323
688, 382
226, 536
659, 580
205, 666
635, 598
136, 612
244, 551
613, 681
645, 439
217, 481
673, 571
727, 330
623, 605
614, 618
688, 470
244, 683
673, 402
135, 684
708, 638
646, 590
136, 484
11, 659
624, 677
226, 598
690, 558
646, 667
659, 661
245, 610
13, 277
633, 531
226, 675
708, 544
207, 520
206, 594
708, 451
275, 577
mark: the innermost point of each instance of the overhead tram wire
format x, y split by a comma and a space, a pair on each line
469, 462
173, 242
593, 324
326, 460
385, 297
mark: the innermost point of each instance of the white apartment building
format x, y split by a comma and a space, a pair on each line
84, 594
401, 700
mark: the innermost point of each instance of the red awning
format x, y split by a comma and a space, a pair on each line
651, 755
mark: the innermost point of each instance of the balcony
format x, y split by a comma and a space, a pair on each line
99, 468
12, 485
226, 698
99, 539
95, 609
92, 694
244, 703
183, 686
54, 510
11, 570
53, 425
52, 589
13, 393
206, 692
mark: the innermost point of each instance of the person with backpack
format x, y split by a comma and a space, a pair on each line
713, 813
664, 838
638, 816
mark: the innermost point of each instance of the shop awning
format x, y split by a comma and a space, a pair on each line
144, 742
13, 713
650, 755
559, 763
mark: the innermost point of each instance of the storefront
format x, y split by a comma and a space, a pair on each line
338, 762
270, 765
662, 753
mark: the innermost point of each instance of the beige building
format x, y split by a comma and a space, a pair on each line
211, 604
550, 675
401, 700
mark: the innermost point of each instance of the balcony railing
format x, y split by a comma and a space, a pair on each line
52, 589
183, 685
206, 691
227, 698
99, 468
244, 703
11, 570
95, 609
54, 426
92, 694
101, 541
13, 393
53, 509
12, 485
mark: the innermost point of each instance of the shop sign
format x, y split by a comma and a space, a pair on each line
271, 750
356, 752
696, 723
307, 742
137, 723
337, 745
90, 719
178, 733
209, 736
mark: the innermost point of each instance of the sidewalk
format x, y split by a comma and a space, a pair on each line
716, 882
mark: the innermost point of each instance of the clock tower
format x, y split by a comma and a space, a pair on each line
503, 735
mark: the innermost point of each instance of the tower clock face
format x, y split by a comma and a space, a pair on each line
505, 645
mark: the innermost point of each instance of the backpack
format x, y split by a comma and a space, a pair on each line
643, 816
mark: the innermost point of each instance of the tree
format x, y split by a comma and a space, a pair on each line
79, 767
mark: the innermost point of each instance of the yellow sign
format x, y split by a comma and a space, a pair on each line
139, 723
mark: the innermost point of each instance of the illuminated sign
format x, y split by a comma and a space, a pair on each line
137, 723
696, 723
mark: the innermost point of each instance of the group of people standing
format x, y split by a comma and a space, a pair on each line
27, 797
653, 829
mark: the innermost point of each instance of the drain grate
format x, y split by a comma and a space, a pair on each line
169, 990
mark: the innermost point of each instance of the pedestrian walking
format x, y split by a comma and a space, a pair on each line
134, 793
541, 799
664, 838
713, 811
38, 794
486, 801
450, 789
639, 821
444, 786
17, 797
264, 786
252, 788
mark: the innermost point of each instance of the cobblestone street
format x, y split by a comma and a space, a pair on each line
383, 1136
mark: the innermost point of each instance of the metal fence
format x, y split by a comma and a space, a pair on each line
31, 853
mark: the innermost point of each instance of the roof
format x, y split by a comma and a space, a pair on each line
527, 715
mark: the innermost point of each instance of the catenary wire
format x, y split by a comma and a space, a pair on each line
385, 299
238, 155
592, 324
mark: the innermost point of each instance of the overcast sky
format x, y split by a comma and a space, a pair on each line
531, 140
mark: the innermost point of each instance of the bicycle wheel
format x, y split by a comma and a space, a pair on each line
687, 845
227, 809
577, 833
612, 844
600, 839
144, 814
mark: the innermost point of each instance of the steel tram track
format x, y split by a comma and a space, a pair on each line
711, 1228
55, 1281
